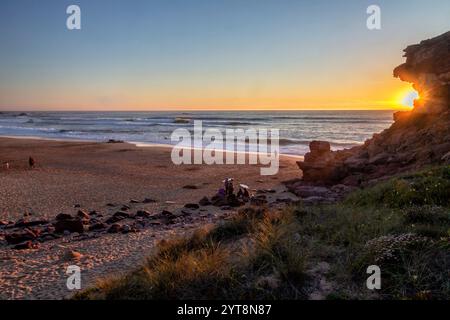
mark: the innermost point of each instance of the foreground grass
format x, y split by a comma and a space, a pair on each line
402, 225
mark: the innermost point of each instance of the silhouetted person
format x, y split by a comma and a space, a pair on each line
31, 162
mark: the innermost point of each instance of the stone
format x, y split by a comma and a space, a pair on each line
71, 255
190, 186
320, 147
63, 216
83, 214
19, 237
192, 206
143, 213
72, 225
204, 201
115, 228
23, 223
118, 216
134, 201
26, 245
149, 200
98, 226
126, 228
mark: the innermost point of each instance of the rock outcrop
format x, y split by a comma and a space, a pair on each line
417, 138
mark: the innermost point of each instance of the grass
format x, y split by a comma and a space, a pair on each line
401, 225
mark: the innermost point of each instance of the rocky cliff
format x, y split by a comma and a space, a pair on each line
417, 138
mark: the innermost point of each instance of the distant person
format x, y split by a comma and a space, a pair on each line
31, 162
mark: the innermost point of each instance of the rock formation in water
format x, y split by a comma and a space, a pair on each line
417, 138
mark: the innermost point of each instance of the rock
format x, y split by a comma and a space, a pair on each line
446, 157
72, 225
118, 216
115, 228
72, 255
77, 206
26, 246
98, 226
93, 213
190, 186
134, 201
83, 214
204, 201
258, 201
143, 213
167, 213
149, 200
125, 208
23, 223
3, 223
126, 228
192, 206
417, 138
187, 212
19, 237
320, 147
310, 191
225, 208
63, 216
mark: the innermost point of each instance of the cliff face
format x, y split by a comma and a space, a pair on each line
417, 138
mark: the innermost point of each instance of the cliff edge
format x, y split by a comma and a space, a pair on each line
416, 138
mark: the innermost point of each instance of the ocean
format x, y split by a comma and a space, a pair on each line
343, 129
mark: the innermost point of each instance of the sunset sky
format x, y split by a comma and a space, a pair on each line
209, 54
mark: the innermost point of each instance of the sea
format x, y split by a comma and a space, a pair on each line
343, 129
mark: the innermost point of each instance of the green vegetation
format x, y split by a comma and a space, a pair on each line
402, 225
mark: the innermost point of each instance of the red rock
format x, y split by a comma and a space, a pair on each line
18, 237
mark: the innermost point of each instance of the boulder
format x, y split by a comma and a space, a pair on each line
72, 225
19, 237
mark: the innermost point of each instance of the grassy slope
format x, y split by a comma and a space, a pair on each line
402, 225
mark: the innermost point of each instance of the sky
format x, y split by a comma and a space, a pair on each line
209, 54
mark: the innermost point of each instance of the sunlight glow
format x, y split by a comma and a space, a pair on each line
407, 99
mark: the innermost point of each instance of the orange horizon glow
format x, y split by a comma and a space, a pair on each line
286, 99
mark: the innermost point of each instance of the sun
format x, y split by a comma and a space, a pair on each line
407, 98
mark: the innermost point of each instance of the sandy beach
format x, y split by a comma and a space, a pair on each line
72, 175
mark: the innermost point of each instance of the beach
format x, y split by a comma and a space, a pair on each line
73, 175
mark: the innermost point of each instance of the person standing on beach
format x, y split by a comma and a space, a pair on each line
31, 162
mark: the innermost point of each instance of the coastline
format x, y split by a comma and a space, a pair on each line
137, 144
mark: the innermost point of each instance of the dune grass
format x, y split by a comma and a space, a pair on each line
401, 225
